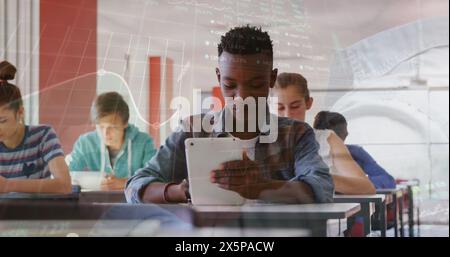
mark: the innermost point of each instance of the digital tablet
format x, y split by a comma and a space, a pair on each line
204, 155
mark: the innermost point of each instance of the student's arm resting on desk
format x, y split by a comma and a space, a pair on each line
168, 165
53, 156
60, 183
310, 168
377, 174
349, 177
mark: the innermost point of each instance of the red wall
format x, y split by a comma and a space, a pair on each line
68, 63
154, 95
161, 80
217, 92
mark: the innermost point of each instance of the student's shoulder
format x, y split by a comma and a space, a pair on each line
190, 120
291, 125
143, 137
193, 124
41, 130
286, 122
184, 130
356, 149
91, 136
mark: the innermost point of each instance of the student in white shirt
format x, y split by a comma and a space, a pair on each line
293, 102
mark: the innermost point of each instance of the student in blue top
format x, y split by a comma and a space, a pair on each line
337, 122
29, 155
116, 149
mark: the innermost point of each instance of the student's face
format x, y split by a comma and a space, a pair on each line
112, 129
9, 122
245, 75
291, 103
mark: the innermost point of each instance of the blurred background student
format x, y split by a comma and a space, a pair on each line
337, 122
293, 102
116, 149
29, 155
377, 174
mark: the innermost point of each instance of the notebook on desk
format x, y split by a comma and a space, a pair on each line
87, 180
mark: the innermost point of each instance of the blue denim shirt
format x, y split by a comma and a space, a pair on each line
292, 157
379, 176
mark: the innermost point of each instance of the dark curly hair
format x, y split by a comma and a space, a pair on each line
246, 40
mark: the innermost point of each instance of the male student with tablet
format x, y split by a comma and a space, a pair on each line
288, 170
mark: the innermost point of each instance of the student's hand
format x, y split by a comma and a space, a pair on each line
241, 176
2, 184
111, 183
178, 192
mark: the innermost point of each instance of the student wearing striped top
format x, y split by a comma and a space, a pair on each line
29, 155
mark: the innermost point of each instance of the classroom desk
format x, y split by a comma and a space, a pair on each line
133, 228
58, 218
411, 185
397, 201
236, 232
308, 216
408, 188
76, 228
11, 209
44, 197
83, 196
366, 210
102, 197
